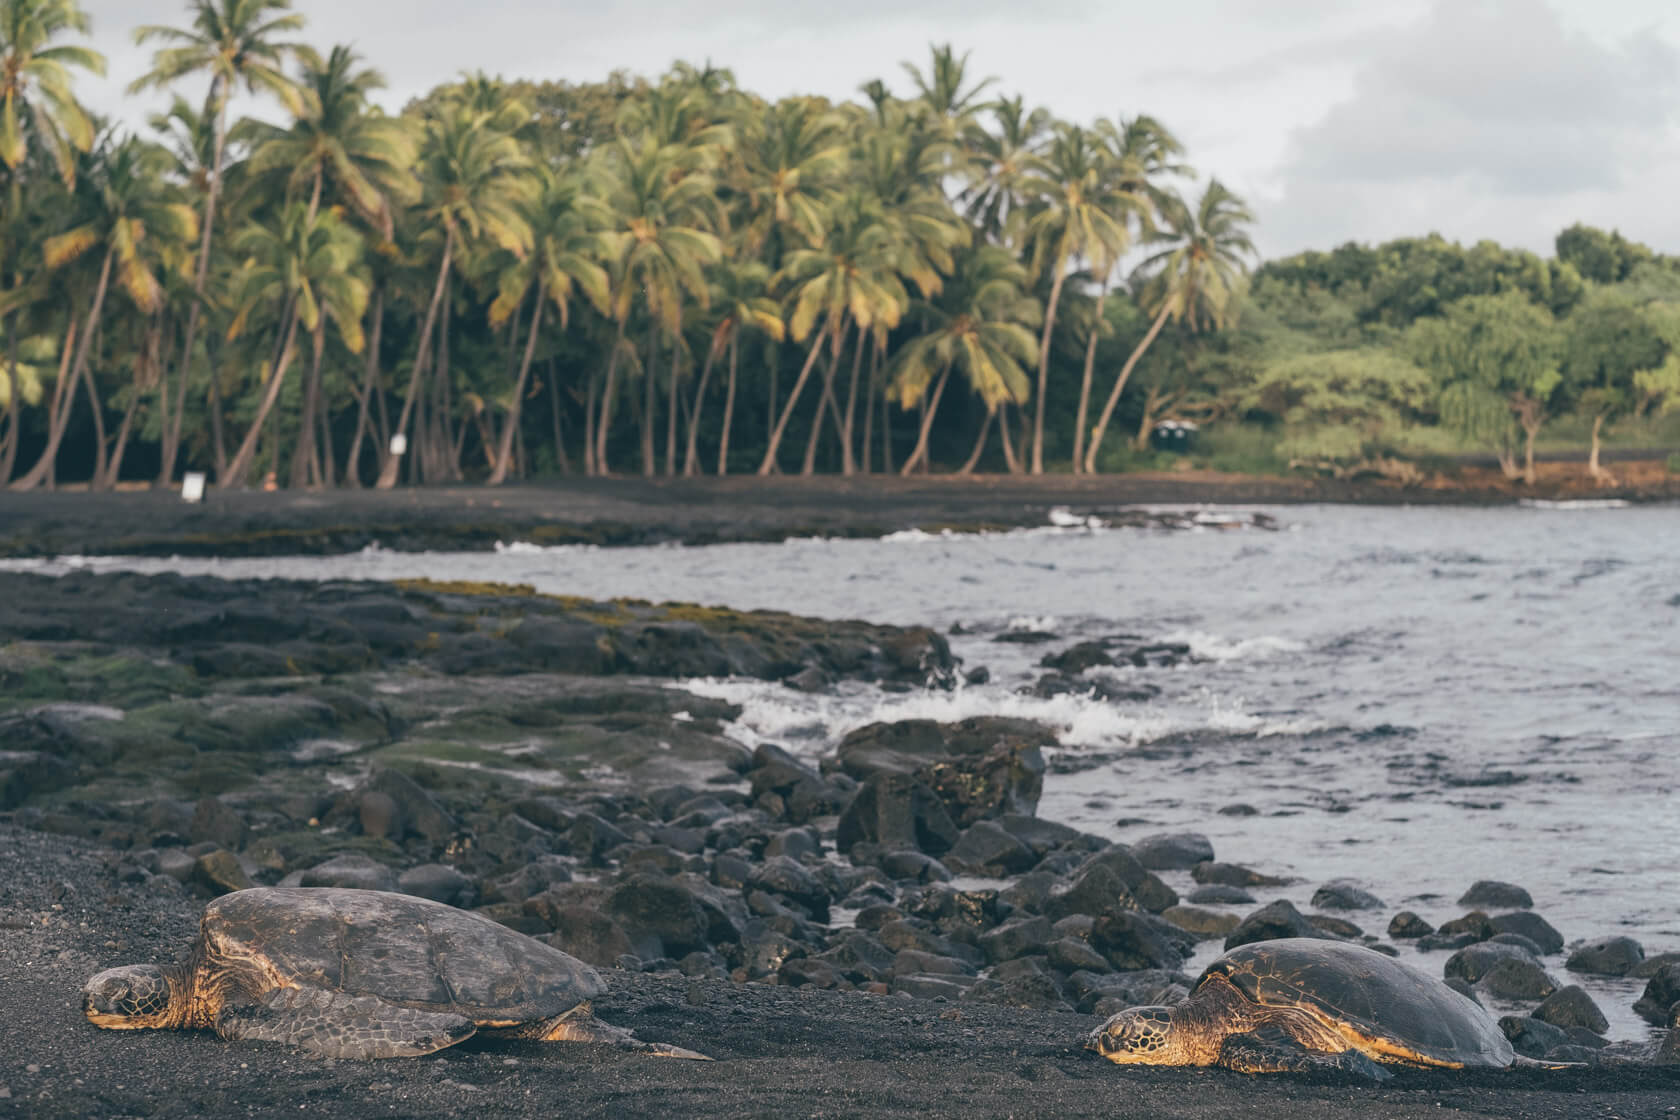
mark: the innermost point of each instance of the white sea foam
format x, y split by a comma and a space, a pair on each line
519, 548
1214, 647
1574, 503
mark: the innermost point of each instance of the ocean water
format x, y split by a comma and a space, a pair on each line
1413, 699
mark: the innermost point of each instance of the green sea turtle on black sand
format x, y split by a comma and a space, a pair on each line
1304, 1004
359, 974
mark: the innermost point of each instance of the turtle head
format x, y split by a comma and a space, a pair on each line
130, 997
1139, 1034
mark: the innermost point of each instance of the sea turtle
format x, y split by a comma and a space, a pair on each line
1301, 1003
359, 974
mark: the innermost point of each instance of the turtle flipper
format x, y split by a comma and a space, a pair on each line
1275, 1050
335, 1025
580, 1025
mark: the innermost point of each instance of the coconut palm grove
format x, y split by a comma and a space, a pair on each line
520, 277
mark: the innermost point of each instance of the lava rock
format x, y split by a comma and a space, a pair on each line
214, 822
1572, 1007
896, 811
1527, 924
979, 768
1407, 925
661, 917
1473, 962
1345, 894
793, 881
1020, 983
1516, 978
1233, 875
1475, 924
1656, 1003
934, 987
1015, 937
1336, 927
1486, 894
1132, 941
351, 870
1531, 1037
1273, 921
1071, 954
587, 934
984, 848
1173, 851
1218, 894
1608, 956
438, 882
1203, 924
917, 867
219, 872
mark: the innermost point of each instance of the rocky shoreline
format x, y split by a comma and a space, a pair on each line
889, 927
626, 511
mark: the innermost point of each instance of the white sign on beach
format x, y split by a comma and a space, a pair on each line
192, 486
399, 444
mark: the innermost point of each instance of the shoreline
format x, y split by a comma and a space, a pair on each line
626, 512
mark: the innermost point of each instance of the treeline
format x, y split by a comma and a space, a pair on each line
676, 276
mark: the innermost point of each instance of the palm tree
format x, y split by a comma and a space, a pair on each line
1077, 211
307, 265
851, 279
740, 294
37, 106
568, 247
945, 95
664, 208
980, 327
477, 184
238, 43
1005, 158
1193, 280
367, 158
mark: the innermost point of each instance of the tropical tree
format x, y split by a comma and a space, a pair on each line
1006, 158
37, 106
981, 327
477, 184
791, 156
336, 148
238, 43
739, 295
1193, 277
568, 246
308, 267
1077, 211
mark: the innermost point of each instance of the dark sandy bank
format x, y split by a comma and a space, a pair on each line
780, 1051
624, 511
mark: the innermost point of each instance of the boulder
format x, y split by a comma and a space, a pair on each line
791, 880
1272, 921
219, 872
587, 934
1572, 1007
1473, 962
1026, 982
896, 811
660, 916
1173, 851
1203, 924
1533, 1038
1233, 875
1217, 894
1131, 941
1406, 925
214, 822
1345, 894
1015, 938
1487, 894
357, 872
1656, 1003
1608, 956
979, 768
985, 848
1526, 923
1071, 954
1517, 978
438, 882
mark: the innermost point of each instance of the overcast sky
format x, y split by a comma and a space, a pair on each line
1337, 119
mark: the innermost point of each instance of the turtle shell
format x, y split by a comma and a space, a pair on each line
1402, 1013
403, 949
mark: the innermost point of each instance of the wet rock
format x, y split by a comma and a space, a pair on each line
1173, 851
1608, 956
1014, 938
1406, 925
1662, 992
984, 848
1132, 941
586, 934
859, 956
1020, 983
916, 933
896, 811
532, 879
1445, 942
1345, 894
1516, 978
1519, 941
1528, 924
917, 867
1335, 927
874, 917
959, 913
1652, 965
1271, 922
1204, 924
1032, 892
1533, 1038
214, 822
1572, 1007
1219, 895
1044, 837
1474, 924
1145, 887
1100, 688
219, 872
1233, 875
1473, 962
793, 843
979, 768
357, 872
1238, 809
791, 880
1097, 890
1488, 894
809, 679
776, 770
658, 915
438, 882
1071, 954
417, 811
592, 836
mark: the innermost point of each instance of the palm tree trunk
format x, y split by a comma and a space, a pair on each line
1085, 387
920, 453
973, 459
564, 462
869, 390
1596, 472
388, 474
604, 429
218, 437
768, 466
14, 410
1119, 384
691, 459
504, 451
1009, 458
848, 463
99, 456
113, 470
590, 469
247, 453
1044, 364
886, 431
172, 432
352, 468
671, 401
56, 424
649, 399
729, 404
826, 406
305, 472
324, 441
